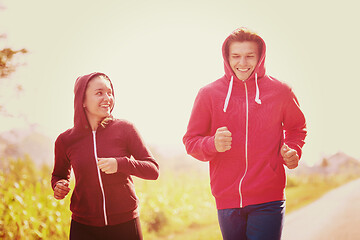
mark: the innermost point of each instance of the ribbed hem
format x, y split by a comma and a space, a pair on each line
267, 195
112, 219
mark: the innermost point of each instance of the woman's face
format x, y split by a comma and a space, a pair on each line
99, 99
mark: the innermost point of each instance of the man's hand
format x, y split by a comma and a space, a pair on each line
108, 165
223, 139
61, 189
290, 156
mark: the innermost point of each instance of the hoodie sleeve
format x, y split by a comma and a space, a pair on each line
294, 124
198, 140
62, 166
143, 165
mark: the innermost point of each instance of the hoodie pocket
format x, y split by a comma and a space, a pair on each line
272, 171
278, 173
121, 198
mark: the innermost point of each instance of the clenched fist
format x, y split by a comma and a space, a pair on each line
61, 189
223, 139
290, 156
108, 165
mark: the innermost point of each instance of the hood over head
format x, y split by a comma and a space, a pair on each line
260, 67
243, 35
80, 119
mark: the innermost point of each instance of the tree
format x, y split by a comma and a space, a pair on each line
7, 66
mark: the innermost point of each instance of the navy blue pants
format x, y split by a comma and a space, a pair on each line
128, 231
253, 222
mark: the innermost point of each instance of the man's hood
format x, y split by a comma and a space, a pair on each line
259, 69
231, 77
80, 119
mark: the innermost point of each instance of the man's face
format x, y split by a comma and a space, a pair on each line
243, 58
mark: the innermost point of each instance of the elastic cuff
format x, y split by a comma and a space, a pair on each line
122, 163
210, 145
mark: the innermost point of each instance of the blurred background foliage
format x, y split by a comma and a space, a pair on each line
179, 205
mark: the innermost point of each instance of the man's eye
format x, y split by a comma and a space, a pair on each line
99, 93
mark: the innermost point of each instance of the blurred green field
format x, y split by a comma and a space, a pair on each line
176, 206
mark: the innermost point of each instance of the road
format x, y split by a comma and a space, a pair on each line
335, 216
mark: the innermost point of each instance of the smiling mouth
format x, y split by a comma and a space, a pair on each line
243, 69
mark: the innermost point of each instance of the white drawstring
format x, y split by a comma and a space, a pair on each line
227, 99
257, 98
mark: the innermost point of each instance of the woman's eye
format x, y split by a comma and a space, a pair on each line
99, 93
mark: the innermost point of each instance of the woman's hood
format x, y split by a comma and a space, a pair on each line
80, 119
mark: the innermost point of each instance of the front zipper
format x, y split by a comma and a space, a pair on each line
99, 177
246, 144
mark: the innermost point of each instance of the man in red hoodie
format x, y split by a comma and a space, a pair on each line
247, 125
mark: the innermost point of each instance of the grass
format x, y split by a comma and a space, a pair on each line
27, 208
176, 201
176, 206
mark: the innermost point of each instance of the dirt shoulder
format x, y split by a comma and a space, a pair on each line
336, 215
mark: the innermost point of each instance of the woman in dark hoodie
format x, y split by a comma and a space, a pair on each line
99, 149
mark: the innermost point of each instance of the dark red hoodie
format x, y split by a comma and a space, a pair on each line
98, 198
262, 113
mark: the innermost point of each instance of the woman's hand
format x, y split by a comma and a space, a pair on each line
108, 165
61, 189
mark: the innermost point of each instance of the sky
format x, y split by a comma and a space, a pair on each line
160, 53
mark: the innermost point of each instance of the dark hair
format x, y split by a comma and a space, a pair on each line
243, 35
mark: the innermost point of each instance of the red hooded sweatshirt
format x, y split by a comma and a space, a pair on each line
262, 114
98, 198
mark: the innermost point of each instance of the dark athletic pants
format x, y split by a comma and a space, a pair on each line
128, 231
253, 222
